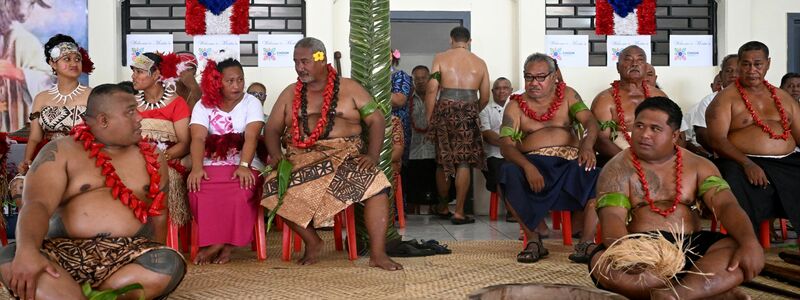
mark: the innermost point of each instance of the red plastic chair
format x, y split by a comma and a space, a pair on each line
3, 234
398, 201
563, 220
259, 239
764, 231
493, 206
347, 216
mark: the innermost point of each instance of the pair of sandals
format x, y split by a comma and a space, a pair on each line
414, 248
532, 254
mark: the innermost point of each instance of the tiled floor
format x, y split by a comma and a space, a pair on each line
431, 227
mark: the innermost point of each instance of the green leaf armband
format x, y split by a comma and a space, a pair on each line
368, 109
613, 200
713, 182
437, 75
612, 125
576, 108
515, 135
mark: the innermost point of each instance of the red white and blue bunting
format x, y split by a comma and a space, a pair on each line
625, 17
217, 17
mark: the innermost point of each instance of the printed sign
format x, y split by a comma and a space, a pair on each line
276, 50
691, 50
143, 43
616, 43
568, 50
215, 46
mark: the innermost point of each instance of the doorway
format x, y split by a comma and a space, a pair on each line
793, 43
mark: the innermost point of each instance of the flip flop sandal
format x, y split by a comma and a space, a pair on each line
436, 247
407, 250
582, 254
465, 220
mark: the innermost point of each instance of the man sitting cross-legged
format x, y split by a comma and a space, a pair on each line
550, 168
103, 193
657, 186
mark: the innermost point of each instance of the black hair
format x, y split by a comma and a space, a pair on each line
420, 67
128, 86
257, 84
663, 104
460, 34
754, 46
788, 76
53, 42
230, 62
99, 98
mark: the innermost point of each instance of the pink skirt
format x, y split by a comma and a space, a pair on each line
225, 213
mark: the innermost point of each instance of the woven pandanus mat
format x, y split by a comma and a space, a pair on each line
472, 266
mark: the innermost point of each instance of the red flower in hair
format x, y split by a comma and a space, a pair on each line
211, 85
169, 66
86, 63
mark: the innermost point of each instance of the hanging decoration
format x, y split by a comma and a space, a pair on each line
217, 17
625, 17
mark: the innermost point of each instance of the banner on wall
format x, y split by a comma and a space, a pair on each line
212, 45
691, 50
616, 43
143, 43
24, 72
276, 50
568, 50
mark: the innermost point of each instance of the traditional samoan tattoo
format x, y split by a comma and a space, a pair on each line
614, 177
47, 154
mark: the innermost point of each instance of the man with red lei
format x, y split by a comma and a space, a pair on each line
614, 106
94, 211
754, 127
550, 167
656, 186
223, 183
319, 120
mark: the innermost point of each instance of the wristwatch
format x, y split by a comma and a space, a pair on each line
244, 164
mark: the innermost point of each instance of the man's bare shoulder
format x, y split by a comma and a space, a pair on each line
724, 98
656, 92
700, 165
58, 150
615, 174
602, 100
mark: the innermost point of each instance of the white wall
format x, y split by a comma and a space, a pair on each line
498, 37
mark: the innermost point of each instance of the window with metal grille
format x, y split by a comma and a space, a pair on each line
678, 17
167, 16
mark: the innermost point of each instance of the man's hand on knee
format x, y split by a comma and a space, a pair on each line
25, 271
750, 258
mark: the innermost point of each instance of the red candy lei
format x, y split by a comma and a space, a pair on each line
784, 119
551, 111
327, 96
141, 210
620, 112
646, 186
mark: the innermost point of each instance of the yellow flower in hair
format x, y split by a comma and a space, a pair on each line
319, 56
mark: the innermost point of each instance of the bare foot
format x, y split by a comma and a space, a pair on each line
311, 256
207, 254
384, 262
224, 255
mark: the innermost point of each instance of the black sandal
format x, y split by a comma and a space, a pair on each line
406, 249
528, 255
436, 247
465, 220
582, 254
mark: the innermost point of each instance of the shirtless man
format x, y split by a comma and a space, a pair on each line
755, 127
625, 208
459, 76
791, 84
117, 246
632, 90
329, 170
551, 169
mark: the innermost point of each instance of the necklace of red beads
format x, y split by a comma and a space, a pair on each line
81, 133
784, 118
618, 107
327, 96
646, 186
551, 111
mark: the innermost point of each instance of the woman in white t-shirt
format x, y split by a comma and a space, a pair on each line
222, 193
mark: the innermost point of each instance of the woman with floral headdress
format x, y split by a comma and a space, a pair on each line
165, 120
57, 110
222, 185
